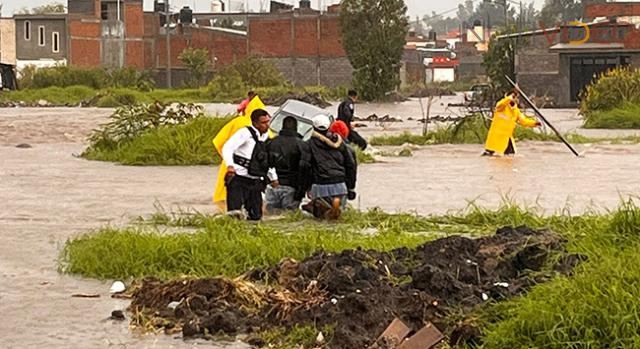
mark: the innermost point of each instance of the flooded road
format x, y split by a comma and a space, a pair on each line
47, 196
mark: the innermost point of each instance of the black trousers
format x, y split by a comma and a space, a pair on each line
247, 192
357, 139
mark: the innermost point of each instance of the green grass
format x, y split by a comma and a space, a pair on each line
224, 246
473, 131
115, 97
624, 117
597, 307
60, 96
188, 144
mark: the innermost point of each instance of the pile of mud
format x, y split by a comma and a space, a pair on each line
361, 291
307, 97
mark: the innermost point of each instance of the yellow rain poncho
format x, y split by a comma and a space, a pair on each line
503, 124
220, 193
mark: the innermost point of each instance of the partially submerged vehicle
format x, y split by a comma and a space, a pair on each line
303, 112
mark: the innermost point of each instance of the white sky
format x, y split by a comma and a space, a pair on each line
416, 7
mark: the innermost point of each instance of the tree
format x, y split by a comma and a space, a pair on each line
44, 9
373, 34
498, 61
197, 62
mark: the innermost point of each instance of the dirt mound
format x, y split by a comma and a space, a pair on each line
311, 98
361, 291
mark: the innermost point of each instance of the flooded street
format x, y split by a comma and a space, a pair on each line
47, 196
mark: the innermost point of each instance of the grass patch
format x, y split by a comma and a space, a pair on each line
188, 144
472, 130
116, 97
597, 307
625, 117
224, 246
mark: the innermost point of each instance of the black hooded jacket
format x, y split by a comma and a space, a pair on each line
289, 155
331, 162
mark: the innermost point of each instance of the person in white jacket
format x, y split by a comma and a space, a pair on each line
248, 166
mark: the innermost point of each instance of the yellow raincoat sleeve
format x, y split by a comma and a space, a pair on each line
526, 121
228, 130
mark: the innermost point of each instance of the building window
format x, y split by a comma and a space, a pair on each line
41, 39
55, 42
27, 30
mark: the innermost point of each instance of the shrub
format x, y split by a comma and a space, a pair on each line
233, 81
625, 117
612, 89
64, 76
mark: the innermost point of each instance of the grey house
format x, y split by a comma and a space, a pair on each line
41, 40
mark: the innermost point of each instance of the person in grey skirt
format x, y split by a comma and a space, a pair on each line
332, 168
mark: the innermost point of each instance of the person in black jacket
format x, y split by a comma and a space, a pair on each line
346, 111
332, 168
290, 158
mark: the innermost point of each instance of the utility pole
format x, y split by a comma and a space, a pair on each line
168, 29
121, 36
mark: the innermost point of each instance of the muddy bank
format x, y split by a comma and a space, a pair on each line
359, 292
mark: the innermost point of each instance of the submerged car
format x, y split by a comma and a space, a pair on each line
303, 112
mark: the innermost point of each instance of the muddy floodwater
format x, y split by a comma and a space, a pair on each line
47, 196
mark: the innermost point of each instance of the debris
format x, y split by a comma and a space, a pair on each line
360, 291
117, 287
85, 295
320, 338
307, 97
395, 333
173, 305
501, 284
426, 338
24, 146
117, 315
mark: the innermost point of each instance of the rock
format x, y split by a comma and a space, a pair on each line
117, 315
43, 103
24, 146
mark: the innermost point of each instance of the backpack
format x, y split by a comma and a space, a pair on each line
259, 163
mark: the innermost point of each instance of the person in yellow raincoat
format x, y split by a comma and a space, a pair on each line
220, 193
503, 124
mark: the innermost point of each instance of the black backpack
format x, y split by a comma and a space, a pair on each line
259, 163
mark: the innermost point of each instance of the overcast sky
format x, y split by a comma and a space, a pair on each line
416, 7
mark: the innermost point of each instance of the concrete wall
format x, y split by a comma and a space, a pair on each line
7, 41
82, 6
31, 49
325, 71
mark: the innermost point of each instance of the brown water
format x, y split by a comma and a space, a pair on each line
47, 195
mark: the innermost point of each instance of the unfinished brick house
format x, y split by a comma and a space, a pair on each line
303, 44
559, 62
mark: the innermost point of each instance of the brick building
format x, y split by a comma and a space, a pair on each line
559, 62
303, 44
305, 47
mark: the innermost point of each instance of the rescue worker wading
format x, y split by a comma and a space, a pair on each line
290, 157
346, 111
247, 159
503, 124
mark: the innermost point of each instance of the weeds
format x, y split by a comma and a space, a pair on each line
596, 306
472, 130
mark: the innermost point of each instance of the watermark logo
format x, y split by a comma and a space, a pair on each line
579, 33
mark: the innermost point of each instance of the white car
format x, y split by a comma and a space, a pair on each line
302, 111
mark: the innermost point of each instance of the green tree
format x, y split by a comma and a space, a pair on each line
197, 61
498, 61
55, 7
373, 34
